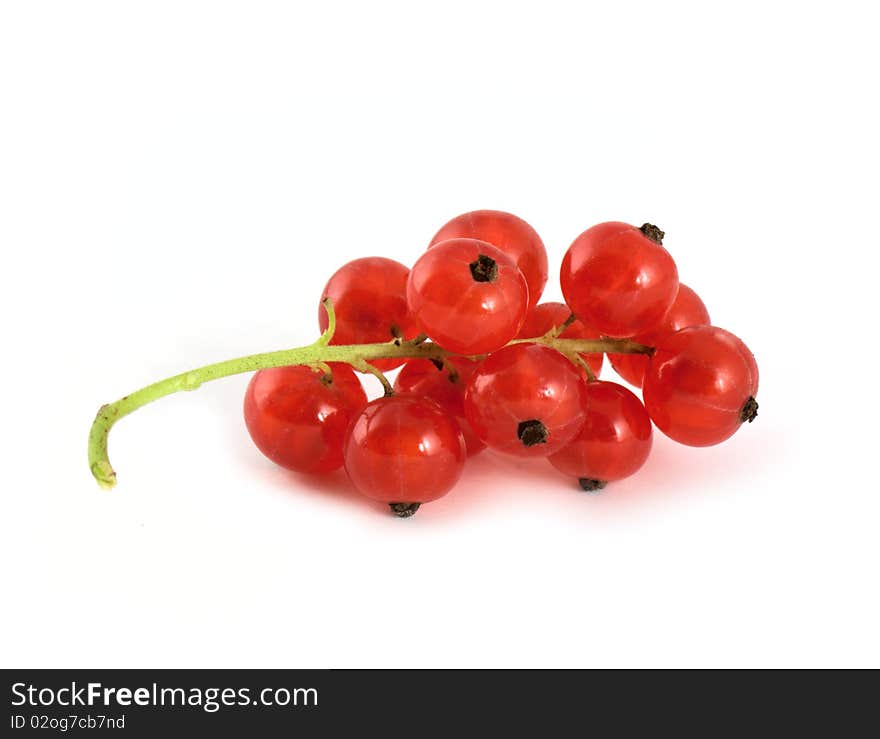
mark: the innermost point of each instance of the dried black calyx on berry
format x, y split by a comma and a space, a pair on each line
532, 432
437, 363
591, 485
750, 410
484, 269
653, 233
404, 510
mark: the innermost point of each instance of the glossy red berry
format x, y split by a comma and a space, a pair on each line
445, 385
509, 234
543, 317
619, 279
687, 310
467, 296
700, 385
369, 297
298, 417
526, 400
615, 440
404, 450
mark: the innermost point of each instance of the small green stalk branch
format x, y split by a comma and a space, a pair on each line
317, 354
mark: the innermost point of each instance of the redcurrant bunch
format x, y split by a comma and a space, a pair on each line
486, 365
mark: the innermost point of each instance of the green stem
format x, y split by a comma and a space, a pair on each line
369, 369
314, 354
579, 360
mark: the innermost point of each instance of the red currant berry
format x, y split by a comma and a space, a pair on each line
615, 440
700, 385
369, 297
467, 296
509, 234
687, 310
753, 370
619, 279
445, 385
527, 400
543, 317
404, 450
298, 417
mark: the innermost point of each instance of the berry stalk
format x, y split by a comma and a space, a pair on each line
318, 353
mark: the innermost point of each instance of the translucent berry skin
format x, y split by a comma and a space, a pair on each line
462, 313
445, 388
298, 420
615, 440
698, 384
509, 234
543, 317
523, 385
617, 280
687, 310
404, 449
369, 297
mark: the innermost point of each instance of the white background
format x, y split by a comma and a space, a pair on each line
178, 180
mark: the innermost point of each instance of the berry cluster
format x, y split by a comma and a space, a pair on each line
502, 370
